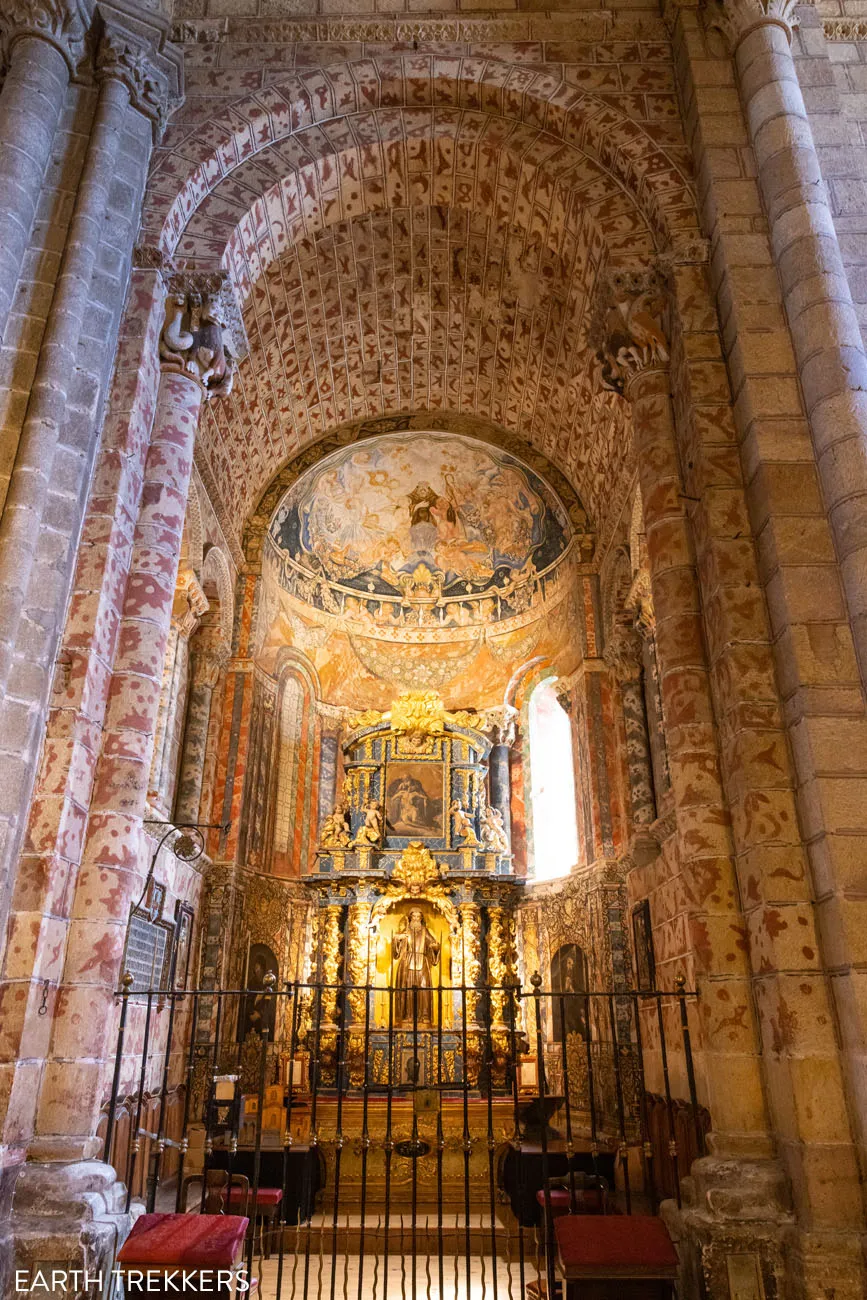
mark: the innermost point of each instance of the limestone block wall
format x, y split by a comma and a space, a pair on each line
832, 71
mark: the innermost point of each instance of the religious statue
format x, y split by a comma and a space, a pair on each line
462, 825
335, 829
494, 837
369, 834
415, 952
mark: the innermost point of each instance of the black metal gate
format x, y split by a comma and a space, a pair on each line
402, 1142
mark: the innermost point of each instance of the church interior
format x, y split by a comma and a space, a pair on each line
433, 649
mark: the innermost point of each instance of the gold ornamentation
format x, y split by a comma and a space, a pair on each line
418, 712
331, 962
467, 718
369, 718
335, 829
416, 872
370, 832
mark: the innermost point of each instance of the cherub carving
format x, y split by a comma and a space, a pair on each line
335, 829
494, 837
369, 834
462, 825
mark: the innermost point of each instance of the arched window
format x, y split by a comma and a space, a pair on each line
552, 785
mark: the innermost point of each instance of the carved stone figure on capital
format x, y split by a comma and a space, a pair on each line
335, 829
369, 834
629, 330
196, 342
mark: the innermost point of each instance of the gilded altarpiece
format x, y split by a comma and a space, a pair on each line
416, 899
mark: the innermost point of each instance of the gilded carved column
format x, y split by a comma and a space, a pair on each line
41, 44
623, 655
471, 957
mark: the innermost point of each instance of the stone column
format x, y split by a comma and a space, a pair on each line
189, 605
499, 767
115, 853
753, 931
630, 329
207, 662
41, 43
623, 654
125, 76
330, 722
829, 350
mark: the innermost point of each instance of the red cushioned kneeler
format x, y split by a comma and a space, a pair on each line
265, 1196
597, 1253
206, 1241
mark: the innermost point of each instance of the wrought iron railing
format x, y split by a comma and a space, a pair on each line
430, 1131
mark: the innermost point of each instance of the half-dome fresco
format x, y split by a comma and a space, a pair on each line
408, 515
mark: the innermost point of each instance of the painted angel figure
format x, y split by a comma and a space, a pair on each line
462, 825
494, 836
335, 829
369, 834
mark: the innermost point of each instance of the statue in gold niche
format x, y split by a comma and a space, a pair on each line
415, 952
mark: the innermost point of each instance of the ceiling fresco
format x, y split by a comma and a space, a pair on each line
423, 521
419, 558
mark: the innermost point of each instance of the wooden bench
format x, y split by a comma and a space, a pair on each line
615, 1257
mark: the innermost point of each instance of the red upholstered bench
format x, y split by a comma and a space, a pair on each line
162, 1243
266, 1207
615, 1257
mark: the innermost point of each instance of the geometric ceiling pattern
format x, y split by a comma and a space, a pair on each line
427, 308
412, 234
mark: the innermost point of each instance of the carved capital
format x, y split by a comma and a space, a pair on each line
207, 664
134, 49
736, 18
122, 57
630, 325
639, 602
501, 724
196, 339
189, 605
63, 23
622, 653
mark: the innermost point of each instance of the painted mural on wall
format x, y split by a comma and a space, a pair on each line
408, 521
419, 560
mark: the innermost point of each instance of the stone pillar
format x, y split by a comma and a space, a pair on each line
753, 931
206, 664
829, 350
623, 654
41, 43
639, 370
189, 605
115, 853
125, 77
330, 723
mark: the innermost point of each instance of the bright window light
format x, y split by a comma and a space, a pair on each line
552, 772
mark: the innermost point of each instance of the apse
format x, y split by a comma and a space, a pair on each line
421, 558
